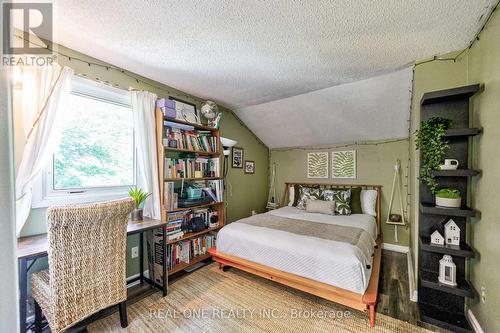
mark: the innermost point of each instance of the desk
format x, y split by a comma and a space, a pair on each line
29, 249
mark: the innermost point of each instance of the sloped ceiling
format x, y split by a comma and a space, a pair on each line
287, 66
247, 52
372, 109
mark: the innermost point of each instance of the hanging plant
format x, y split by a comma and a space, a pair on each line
433, 148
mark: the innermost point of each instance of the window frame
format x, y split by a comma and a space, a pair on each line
44, 193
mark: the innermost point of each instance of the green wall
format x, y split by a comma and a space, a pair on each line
484, 67
480, 64
244, 193
374, 167
430, 76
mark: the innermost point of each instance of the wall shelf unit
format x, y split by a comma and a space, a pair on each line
440, 304
462, 250
430, 208
456, 173
187, 167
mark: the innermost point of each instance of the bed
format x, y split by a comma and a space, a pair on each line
330, 256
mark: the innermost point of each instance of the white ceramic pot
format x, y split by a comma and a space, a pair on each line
450, 203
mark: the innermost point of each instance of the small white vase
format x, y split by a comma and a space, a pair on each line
447, 202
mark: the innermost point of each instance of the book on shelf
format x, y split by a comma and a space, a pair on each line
184, 251
170, 197
178, 168
217, 188
189, 139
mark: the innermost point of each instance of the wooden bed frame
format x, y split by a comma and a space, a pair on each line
363, 302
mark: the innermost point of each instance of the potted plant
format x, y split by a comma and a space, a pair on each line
139, 197
448, 197
432, 147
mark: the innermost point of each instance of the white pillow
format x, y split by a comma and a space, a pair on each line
369, 202
320, 206
291, 195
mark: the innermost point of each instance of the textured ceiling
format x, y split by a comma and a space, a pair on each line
371, 109
246, 52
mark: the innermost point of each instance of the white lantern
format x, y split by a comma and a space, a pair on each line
447, 271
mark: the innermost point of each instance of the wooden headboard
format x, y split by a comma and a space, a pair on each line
327, 186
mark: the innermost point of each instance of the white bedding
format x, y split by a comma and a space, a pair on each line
336, 263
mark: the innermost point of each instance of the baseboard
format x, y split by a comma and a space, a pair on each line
395, 247
411, 278
474, 322
145, 274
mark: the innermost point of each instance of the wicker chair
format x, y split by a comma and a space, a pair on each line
86, 273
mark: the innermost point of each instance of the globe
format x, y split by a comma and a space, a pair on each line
209, 109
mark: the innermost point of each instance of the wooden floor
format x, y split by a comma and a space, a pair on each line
393, 298
394, 295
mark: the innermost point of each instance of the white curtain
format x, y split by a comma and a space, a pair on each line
143, 110
43, 90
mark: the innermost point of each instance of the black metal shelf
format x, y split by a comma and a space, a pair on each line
428, 208
429, 279
462, 250
449, 95
457, 132
455, 322
455, 173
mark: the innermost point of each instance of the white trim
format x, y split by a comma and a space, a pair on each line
145, 274
395, 248
474, 322
44, 194
411, 278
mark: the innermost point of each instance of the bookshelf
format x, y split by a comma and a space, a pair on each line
196, 159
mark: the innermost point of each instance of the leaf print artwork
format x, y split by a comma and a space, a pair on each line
344, 164
317, 165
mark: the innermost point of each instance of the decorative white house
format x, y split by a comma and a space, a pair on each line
437, 238
447, 271
451, 233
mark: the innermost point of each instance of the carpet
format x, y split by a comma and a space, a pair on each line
209, 300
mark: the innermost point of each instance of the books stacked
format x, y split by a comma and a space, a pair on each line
175, 225
170, 197
185, 251
191, 167
189, 139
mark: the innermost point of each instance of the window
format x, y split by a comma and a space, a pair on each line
95, 158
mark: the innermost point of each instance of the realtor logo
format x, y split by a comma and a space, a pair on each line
34, 19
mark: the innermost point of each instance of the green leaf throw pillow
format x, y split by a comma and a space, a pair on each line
342, 200
307, 193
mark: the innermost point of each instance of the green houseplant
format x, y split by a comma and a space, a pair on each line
448, 197
432, 147
139, 197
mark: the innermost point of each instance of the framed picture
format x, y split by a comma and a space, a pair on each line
249, 167
317, 165
344, 164
237, 158
186, 111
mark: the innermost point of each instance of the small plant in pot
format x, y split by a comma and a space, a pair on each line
139, 197
448, 197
